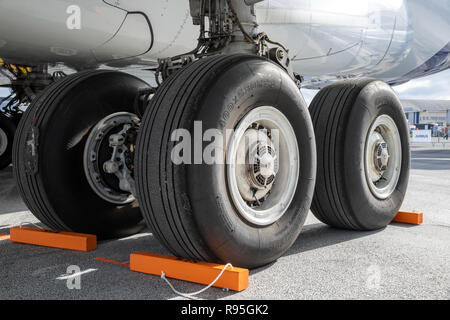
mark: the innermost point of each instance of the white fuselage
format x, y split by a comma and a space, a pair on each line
393, 40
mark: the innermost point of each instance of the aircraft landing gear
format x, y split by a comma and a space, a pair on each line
64, 143
232, 209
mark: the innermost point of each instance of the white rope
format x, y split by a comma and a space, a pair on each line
191, 295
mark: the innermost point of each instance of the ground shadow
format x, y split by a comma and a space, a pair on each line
319, 235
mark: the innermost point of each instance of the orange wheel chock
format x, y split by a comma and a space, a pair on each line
4, 237
409, 217
235, 279
54, 239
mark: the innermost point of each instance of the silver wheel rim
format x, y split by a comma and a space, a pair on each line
277, 178
94, 171
383, 157
3, 142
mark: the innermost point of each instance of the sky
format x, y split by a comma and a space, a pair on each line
434, 87
3, 92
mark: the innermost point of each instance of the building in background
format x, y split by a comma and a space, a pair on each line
433, 115
422, 112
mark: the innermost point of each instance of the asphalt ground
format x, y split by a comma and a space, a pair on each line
399, 262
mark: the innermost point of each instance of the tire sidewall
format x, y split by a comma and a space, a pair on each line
370, 212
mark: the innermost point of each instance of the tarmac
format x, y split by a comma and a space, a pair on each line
398, 262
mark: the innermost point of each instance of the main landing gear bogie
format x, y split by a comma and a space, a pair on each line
86, 161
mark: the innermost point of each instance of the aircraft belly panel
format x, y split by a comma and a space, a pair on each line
417, 39
133, 39
330, 37
173, 31
59, 31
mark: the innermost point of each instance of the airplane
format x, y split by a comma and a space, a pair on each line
94, 148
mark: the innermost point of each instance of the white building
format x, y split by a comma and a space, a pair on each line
427, 111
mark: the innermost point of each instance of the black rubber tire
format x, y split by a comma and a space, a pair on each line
48, 154
188, 207
9, 128
342, 115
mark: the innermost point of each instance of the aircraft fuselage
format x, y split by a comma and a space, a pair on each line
393, 41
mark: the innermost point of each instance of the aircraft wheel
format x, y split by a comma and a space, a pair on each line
244, 200
7, 130
63, 154
363, 154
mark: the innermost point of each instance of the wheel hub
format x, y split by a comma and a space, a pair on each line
263, 165
383, 157
264, 168
257, 173
108, 157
